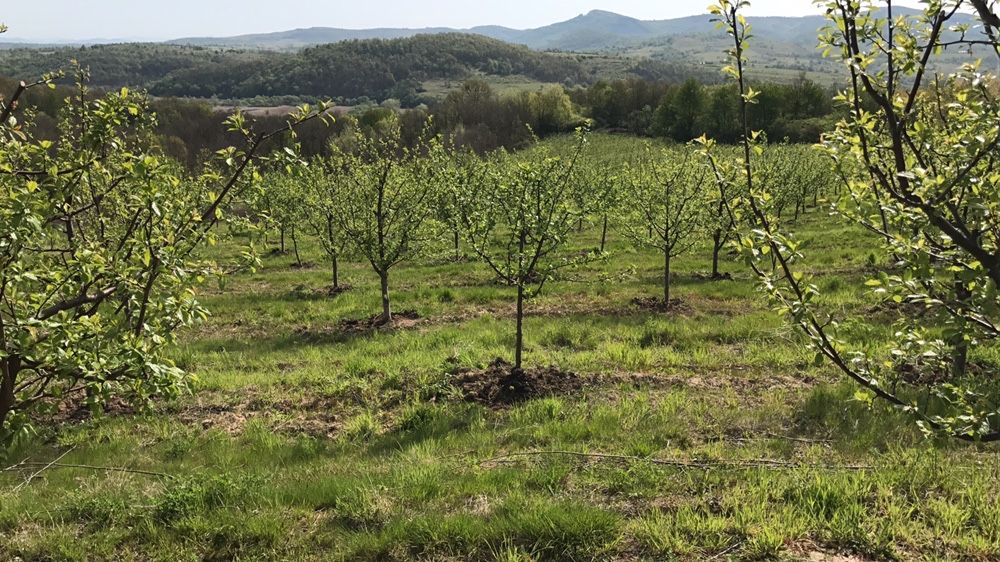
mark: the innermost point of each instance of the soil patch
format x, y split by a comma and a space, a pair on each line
336, 291
312, 416
401, 319
303, 265
71, 410
656, 304
499, 386
709, 277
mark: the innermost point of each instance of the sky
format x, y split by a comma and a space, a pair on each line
48, 20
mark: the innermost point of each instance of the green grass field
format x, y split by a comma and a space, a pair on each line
703, 434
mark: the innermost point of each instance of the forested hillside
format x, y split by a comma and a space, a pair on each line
371, 68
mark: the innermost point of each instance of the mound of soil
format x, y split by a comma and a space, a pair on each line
656, 304
724, 276
499, 385
338, 290
401, 319
303, 265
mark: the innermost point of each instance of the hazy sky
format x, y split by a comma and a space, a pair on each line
168, 19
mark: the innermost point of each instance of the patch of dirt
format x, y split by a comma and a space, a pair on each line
889, 307
304, 265
401, 319
305, 292
72, 410
499, 386
313, 416
452, 258
820, 556
338, 290
709, 277
345, 329
656, 304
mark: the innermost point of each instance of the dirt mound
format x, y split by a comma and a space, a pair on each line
338, 290
709, 277
401, 319
499, 385
656, 304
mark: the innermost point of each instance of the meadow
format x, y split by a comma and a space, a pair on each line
703, 432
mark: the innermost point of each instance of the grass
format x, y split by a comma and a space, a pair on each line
303, 442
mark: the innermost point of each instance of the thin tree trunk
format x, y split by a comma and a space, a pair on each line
716, 246
386, 307
282, 230
295, 246
604, 233
519, 333
666, 278
458, 253
333, 253
9, 368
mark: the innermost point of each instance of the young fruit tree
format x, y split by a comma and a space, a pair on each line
919, 159
283, 200
664, 205
388, 199
605, 178
323, 189
98, 252
517, 212
720, 222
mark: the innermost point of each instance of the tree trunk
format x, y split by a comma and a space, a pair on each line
458, 253
716, 247
386, 306
666, 278
579, 224
282, 230
8, 376
604, 233
295, 246
333, 253
519, 333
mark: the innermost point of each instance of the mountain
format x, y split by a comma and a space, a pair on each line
594, 31
299, 38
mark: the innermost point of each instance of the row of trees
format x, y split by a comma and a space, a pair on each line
347, 71
683, 111
476, 116
381, 199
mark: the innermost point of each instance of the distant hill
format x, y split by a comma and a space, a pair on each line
373, 68
406, 63
593, 31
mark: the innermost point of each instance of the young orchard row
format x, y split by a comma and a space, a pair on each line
385, 203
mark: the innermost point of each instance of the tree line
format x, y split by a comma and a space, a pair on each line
347, 72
